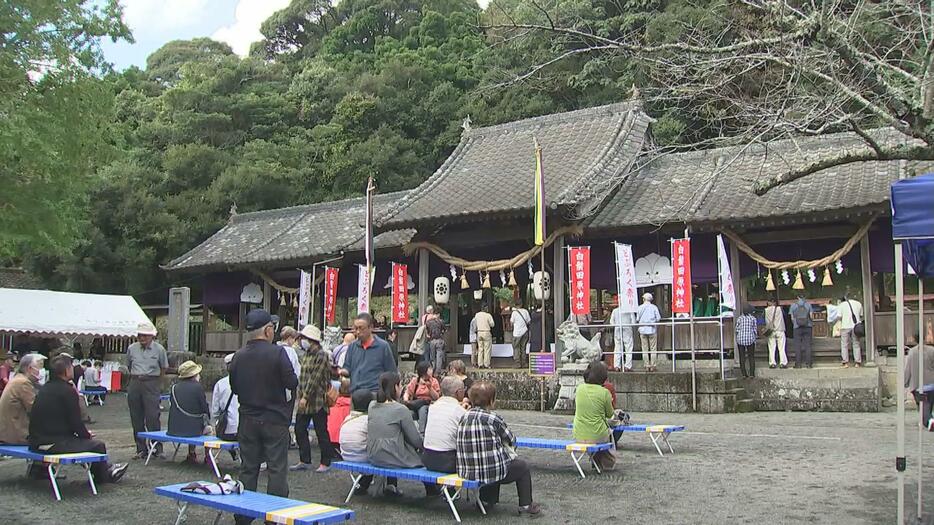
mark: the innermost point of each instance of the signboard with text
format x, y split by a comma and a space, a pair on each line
542, 364
681, 276
330, 294
579, 263
400, 295
626, 279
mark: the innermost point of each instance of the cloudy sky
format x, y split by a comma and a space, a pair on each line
155, 22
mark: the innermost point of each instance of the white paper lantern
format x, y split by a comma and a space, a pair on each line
541, 286
442, 290
478, 294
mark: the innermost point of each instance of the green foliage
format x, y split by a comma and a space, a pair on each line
56, 117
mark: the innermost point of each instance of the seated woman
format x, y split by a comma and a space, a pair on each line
338, 413
392, 439
457, 369
593, 407
92, 379
189, 412
422, 391
353, 434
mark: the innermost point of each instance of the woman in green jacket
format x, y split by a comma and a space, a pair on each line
593, 407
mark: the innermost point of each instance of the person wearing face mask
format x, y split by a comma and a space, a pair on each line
260, 375
313, 386
17, 399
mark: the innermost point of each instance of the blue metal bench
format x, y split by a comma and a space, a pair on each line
212, 445
257, 506
576, 449
446, 481
657, 433
54, 463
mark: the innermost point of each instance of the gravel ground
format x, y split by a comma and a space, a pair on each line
730, 468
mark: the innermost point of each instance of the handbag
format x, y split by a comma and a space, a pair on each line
417, 347
220, 425
859, 329
330, 397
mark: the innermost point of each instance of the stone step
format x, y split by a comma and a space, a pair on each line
744, 405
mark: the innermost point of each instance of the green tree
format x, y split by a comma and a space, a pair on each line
56, 116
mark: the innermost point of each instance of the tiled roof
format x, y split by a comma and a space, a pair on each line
18, 278
716, 185
298, 234
491, 171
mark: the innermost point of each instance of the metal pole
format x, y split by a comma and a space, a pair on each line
900, 378
720, 317
693, 367
921, 428
544, 310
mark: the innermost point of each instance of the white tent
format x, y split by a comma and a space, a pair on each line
44, 312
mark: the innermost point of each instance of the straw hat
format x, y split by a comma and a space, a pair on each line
188, 369
311, 332
146, 329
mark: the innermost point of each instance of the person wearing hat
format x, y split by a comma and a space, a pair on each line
224, 404
260, 374
189, 415
313, 386
146, 362
646, 317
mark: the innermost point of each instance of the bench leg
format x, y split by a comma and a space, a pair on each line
479, 502
87, 403
665, 439
217, 519
353, 486
213, 459
577, 462
87, 469
151, 445
54, 482
182, 508
655, 438
448, 496
175, 454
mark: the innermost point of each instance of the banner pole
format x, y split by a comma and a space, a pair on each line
545, 347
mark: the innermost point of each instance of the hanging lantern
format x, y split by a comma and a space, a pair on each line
442, 290
464, 284
799, 282
486, 280
812, 276
478, 294
769, 284
827, 281
541, 286
512, 278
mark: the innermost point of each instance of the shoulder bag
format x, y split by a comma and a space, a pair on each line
205, 418
220, 426
859, 329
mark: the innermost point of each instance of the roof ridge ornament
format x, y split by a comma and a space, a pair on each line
466, 125
233, 213
635, 95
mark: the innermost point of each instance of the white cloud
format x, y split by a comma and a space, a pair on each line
250, 14
150, 15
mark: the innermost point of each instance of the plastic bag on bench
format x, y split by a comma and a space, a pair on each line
227, 485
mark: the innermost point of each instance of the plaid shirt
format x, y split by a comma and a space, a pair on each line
485, 446
746, 330
314, 382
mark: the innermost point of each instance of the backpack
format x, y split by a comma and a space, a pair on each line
802, 315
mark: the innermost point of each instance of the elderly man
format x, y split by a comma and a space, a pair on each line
520, 319
260, 375
339, 354
486, 452
55, 425
146, 361
485, 324
647, 316
444, 416
17, 400
368, 356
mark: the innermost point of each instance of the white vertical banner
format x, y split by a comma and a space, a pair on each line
626, 278
727, 293
304, 298
363, 290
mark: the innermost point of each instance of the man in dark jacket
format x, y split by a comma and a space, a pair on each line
260, 374
55, 425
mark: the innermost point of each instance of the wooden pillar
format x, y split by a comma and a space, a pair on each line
454, 307
267, 293
422, 286
344, 304
557, 289
738, 289
869, 309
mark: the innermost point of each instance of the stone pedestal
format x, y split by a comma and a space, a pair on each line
569, 376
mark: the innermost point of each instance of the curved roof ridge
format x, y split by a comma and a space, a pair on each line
554, 118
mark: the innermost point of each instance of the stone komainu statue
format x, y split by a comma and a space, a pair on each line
332, 337
576, 346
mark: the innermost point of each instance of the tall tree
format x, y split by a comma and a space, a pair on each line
56, 116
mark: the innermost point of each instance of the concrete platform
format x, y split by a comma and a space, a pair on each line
824, 388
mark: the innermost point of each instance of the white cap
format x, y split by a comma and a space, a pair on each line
146, 329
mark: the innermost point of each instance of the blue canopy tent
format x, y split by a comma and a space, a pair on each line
913, 233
